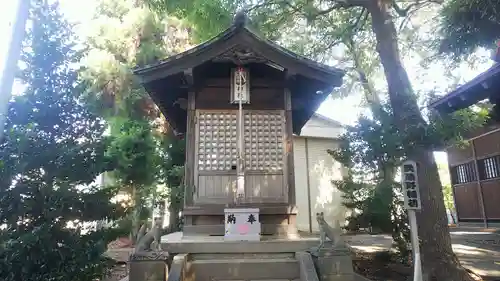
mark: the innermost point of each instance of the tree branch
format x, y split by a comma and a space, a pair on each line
261, 5
357, 26
353, 3
265, 3
337, 4
404, 12
327, 11
294, 8
360, 21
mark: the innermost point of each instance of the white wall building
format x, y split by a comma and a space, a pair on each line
314, 171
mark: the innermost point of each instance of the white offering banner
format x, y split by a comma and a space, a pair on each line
242, 224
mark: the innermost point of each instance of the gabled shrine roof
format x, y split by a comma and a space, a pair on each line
168, 81
240, 34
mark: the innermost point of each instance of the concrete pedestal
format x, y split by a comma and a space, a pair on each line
148, 266
334, 264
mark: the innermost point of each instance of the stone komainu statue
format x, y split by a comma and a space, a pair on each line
326, 231
145, 240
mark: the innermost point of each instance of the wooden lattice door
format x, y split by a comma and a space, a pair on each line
264, 156
217, 156
216, 141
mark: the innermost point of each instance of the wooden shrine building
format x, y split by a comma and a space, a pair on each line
239, 99
200, 92
475, 168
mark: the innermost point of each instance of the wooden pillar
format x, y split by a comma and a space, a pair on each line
289, 167
189, 180
308, 177
479, 185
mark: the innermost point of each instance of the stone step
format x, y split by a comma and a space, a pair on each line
258, 280
230, 256
246, 269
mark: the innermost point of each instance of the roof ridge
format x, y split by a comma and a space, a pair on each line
328, 119
241, 21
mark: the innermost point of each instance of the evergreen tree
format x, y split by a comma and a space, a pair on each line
172, 153
123, 35
51, 154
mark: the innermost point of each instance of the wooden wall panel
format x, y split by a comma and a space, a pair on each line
217, 189
264, 188
219, 97
481, 196
491, 196
467, 201
487, 145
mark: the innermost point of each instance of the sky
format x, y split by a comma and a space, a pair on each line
344, 110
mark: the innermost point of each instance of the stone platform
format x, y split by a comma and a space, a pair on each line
271, 258
177, 242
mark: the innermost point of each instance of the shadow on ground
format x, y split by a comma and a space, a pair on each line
478, 251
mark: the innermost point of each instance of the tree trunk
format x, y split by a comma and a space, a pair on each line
136, 214
174, 219
439, 261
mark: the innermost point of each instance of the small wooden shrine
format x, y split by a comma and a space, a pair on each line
475, 168
238, 99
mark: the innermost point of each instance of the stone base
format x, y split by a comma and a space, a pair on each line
148, 266
272, 258
177, 242
275, 219
334, 264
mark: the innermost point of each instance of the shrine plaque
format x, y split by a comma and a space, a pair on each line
242, 224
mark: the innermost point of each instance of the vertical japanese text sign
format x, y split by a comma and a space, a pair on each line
240, 86
409, 182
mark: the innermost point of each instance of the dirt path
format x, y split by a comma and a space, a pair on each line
478, 251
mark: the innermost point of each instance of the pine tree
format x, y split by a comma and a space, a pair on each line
51, 154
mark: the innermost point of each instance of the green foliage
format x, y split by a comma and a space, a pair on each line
173, 157
123, 35
450, 129
469, 24
134, 149
372, 152
209, 17
449, 202
53, 150
448, 197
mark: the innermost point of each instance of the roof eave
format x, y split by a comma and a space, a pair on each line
461, 98
329, 75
